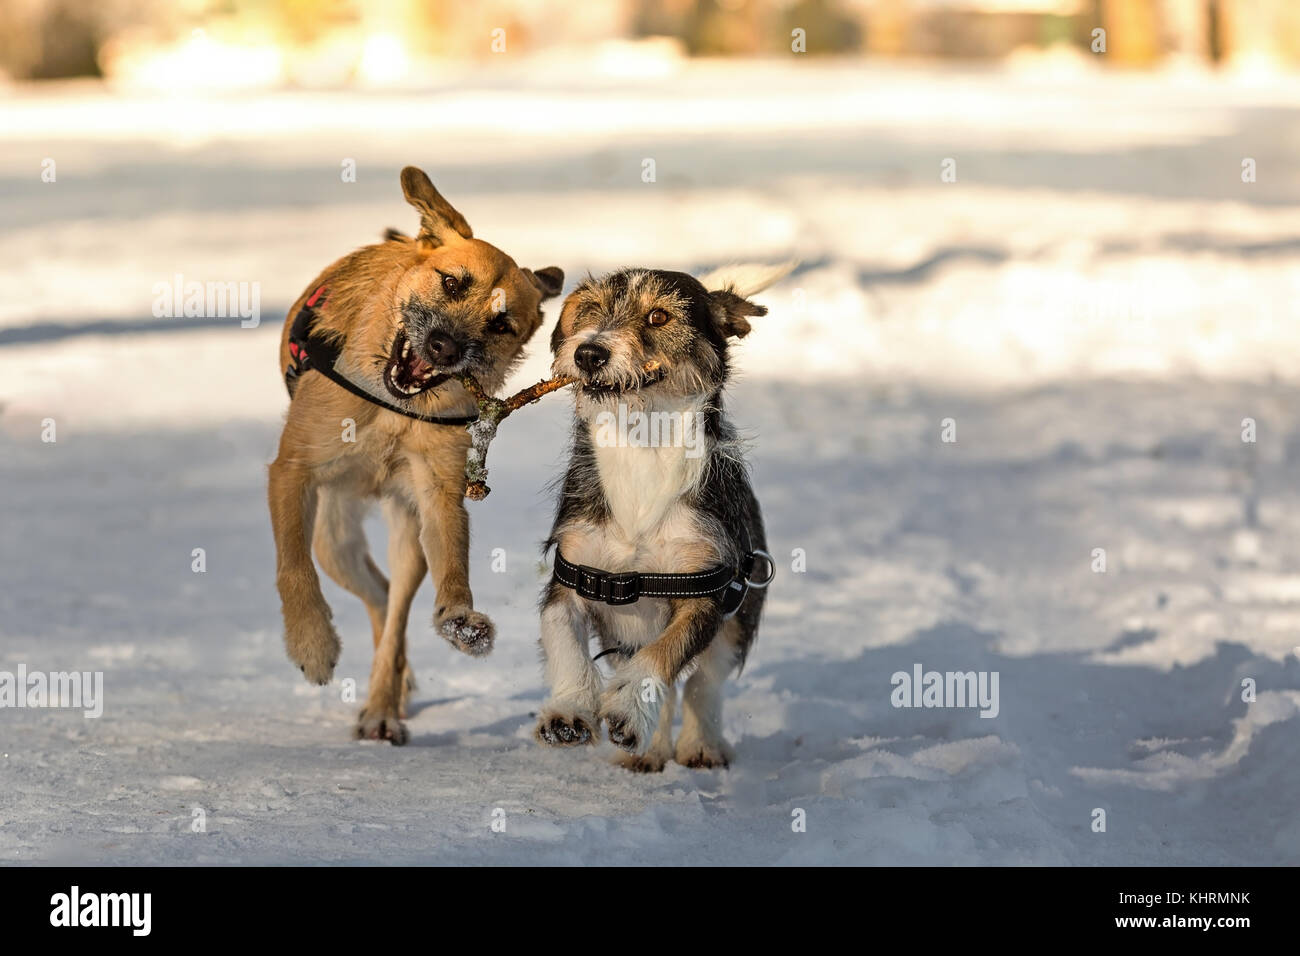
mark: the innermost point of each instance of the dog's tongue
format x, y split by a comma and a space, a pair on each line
417, 367
409, 374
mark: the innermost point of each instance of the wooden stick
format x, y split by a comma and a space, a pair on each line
492, 412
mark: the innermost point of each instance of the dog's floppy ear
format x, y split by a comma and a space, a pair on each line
549, 281
731, 312
730, 288
438, 218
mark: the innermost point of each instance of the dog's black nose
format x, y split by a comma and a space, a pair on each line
442, 349
590, 357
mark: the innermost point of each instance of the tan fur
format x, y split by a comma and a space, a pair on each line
319, 481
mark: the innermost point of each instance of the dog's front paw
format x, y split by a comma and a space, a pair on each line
557, 727
314, 646
380, 723
704, 755
466, 630
631, 710
650, 762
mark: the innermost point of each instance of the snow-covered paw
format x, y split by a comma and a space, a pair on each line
314, 646
466, 629
631, 710
704, 754
557, 727
651, 762
380, 723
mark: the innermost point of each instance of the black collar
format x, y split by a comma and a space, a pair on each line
310, 353
626, 587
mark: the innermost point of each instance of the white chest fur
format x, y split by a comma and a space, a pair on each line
644, 473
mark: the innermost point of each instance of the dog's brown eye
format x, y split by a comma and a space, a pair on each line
658, 317
450, 285
498, 326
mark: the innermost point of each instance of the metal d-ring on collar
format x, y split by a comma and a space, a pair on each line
771, 570
734, 596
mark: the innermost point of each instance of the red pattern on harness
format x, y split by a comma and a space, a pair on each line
296, 351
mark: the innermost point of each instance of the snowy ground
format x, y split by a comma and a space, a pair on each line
1097, 302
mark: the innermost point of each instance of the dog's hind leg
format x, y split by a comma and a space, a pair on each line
407, 560
341, 548
390, 674
701, 743
309, 635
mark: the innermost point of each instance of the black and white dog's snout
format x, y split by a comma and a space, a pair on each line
591, 357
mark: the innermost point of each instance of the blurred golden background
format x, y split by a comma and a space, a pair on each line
330, 43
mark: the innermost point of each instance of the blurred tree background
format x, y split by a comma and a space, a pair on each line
330, 42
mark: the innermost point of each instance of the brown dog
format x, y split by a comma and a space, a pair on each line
405, 317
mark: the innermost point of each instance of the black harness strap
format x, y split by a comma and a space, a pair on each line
626, 587
313, 354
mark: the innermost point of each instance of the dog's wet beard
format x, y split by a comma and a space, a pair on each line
406, 374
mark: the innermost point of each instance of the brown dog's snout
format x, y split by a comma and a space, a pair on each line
591, 357
442, 349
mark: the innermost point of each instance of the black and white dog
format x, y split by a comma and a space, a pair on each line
659, 543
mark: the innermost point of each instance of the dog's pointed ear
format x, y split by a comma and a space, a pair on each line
548, 281
438, 218
731, 312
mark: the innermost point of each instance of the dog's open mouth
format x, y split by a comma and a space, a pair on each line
597, 387
406, 374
